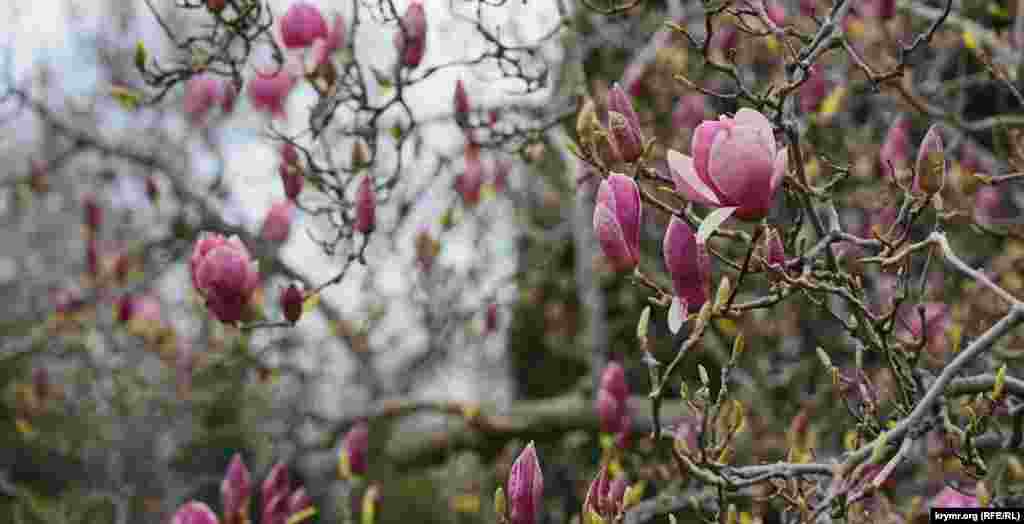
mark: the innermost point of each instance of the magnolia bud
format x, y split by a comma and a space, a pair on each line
588, 126
152, 189
469, 183
301, 24
298, 501
525, 488
194, 513
618, 216
276, 484
687, 262
277, 225
352, 457
291, 179
235, 492
491, 318
366, 205
291, 303
461, 104
216, 5
93, 214
269, 89
931, 162
411, 38
624, 125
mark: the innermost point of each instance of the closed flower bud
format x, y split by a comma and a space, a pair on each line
93, 214
808, 7
289, 155
461, 103
152, 189
813, 90
427, 249
689, 111
275, 511
411, 38
278, 223
277, 484
236, 491
291, 303
299, 501
491, 318
92, 257
38, 181
931, 162
937, 318
352, 457
126, 308
469, 183
501, 171
736, 163
224, 274
618, 215
609, 412
774, 252
194, 513
301, 24
269, 89
613, 380
896, 147
291, 179
366, 206
624, 125
687, 262
216, 5
525, 488
992, 210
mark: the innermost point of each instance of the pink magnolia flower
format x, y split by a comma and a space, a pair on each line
930, 168
814, 90
936, 322
776, 12
525, 488
613, 399
275, 510
624, 125
605, 495
411, 38
236, 491
461, 103
278, 223
951, 498
469, 183
301, 24
354, 450
291, 303
689, 111
735, 163
617, 219
277, 484
991, 208
298, 501
687, 262
194, 513
896, 147
268, 90
366, 206
223, 273
205, 91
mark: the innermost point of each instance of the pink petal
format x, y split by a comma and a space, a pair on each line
688, 182
742, 166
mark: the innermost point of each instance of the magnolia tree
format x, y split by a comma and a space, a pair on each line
766, 261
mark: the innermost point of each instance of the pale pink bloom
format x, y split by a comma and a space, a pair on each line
735, 163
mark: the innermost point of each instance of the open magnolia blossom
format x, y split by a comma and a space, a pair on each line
224, 273
736, 163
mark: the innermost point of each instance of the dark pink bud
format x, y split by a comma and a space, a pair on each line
126, 308
776, 12
268, 91
618, 215
613, 380
276, 510
951, 498
461, 103
93, 213
468, 184
597, 494
291, 179
277, 484
493, 117
205, 91
301, 24
291, 303
356, 446
936, 322
687, 262
813, 90
991, 208
775, 252
411, 39
896, 147
525, 488
735, 163
216, 5
930, 168
491, 318
278, 223
808, 7
366, 206
194, 513
632, 77
289, 155
609, 412
624, 125
92, 257
67, 301
224, 273
689, 111
235, 492
298, 501
152, 189
725, 38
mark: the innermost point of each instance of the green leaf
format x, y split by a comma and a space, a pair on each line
128, 98
140, 56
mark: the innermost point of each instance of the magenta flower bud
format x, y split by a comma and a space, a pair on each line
92, 257
896, 147
276, 510
224, 273
613, 380
194, 513
617, 219
125, 308
411, 39
66, 301
366, 206
951, 498
291, 179
725, 38
687, 262
525, 488
301, 24
813, 90
336, 34
808, 7
268, 91
936, 321
356, 447
93, 213
609, 412
235, 492
501, 171
461, 103
205, 91
930, 168
598, 494
298, 501
469, 183
289, 155
991, 209
491, 318
632, 77
291, 303
278, 223
624, 124
735, 163
689, 111
277, 484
